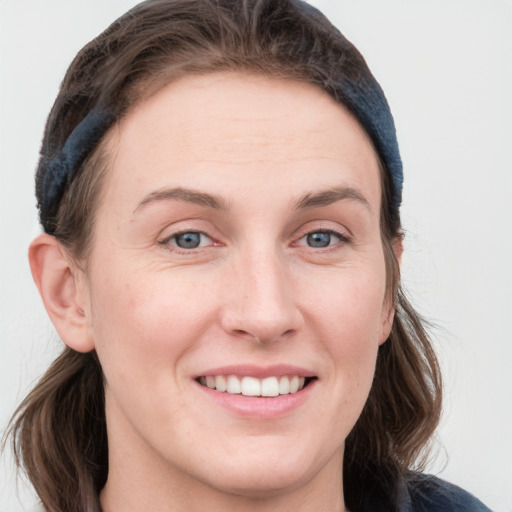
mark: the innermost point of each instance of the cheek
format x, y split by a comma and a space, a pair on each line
349, 302
144, 323
348, 315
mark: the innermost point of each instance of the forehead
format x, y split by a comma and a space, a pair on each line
223, 130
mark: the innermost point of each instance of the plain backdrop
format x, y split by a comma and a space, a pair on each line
446, 67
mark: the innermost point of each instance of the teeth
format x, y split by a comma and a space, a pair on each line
284, 386
220, 383
234, 385
294, 384
269, 387
251, 386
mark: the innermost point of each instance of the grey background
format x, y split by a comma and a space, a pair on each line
445, 66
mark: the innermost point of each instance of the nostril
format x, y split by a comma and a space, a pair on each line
263, 337
245, 334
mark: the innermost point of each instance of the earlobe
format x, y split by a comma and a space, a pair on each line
389, 316
387, 325
398, 249
62, 291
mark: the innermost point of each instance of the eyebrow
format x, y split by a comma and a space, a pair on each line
309, 200
184, 194
329, 196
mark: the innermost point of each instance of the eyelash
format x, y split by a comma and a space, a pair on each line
168, 241
342, 238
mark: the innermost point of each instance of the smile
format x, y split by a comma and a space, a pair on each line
252, 386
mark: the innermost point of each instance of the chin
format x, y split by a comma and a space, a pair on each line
263, 482
260, 474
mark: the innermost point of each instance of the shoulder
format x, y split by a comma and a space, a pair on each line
428, 493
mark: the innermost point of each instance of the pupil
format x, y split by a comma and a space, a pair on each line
188, 240
319, 239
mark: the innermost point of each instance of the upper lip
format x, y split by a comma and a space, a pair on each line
261, 372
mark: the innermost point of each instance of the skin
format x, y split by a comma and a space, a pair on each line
254, 292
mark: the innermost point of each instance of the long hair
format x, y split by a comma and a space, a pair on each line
59, 431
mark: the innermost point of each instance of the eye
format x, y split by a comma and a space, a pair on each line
189, 240
322, 239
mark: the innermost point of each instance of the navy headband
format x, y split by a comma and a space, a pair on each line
367, 102
364, 98
62, 168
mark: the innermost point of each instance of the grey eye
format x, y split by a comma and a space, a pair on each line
320, 239
190, 240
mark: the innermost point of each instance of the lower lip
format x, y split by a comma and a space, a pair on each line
259, 407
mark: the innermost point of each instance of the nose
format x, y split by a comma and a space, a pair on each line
261, 304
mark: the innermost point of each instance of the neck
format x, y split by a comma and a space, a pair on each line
111, 501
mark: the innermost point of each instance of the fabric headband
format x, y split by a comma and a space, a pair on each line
62, 168
364, 98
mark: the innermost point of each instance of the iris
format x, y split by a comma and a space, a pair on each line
319, 239
188, 240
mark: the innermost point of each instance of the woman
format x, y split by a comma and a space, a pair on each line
219, 186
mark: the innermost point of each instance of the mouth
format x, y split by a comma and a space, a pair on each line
272, 386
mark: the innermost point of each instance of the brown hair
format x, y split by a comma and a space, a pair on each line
59, 432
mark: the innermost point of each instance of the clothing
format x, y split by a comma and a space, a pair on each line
423, 493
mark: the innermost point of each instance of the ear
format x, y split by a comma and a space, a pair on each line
398, 249
388, 311
387, 323
63, 289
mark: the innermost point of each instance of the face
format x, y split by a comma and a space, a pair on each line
237, 245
